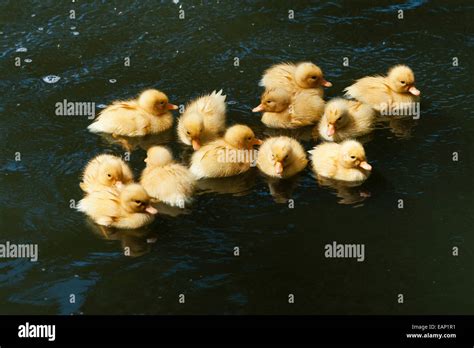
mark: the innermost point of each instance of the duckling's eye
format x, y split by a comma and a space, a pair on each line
269, 101
285, 157
162, 102
353, 157
138, 202
109, 175
249, 138
188, 133
314, 77
402, 82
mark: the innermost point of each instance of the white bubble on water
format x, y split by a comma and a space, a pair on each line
73, 28
33, 15
101, 106
75, 33
232, 102
175, 2
112, 80
40, 28
21, 49
51, 79
28, 60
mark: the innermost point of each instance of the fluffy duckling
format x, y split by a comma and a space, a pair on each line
282, 110
295, 77
228, 156
386, 92
345, 161
105, 171
128, 208
203, 120
281, 157
166, 180
344, 119
148, 114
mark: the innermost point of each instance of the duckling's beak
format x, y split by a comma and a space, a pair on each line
279, 168
326, 83
258, 108
119, 185
171, 106
413, 90
331, 130
196, 144
257, 142
151, 210
365, 165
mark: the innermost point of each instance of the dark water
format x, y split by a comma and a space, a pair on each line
408, 251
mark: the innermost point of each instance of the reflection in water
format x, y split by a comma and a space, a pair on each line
165, 209
238, 185
401, 127
134, 243
282, 189
301, 134
348, 192
133, 143
366, 138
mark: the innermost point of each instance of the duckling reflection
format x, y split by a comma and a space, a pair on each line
364, 139
165, 209
282, 189
238, 185
301, 134
401, 127
348, 192
134, 243
133, 143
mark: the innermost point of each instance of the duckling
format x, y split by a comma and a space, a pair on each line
105, 171
148, 114
128, 208
282, 110
345, 119
166, 180
385, 93
203, 120
227, 156
345, 161
281, 157
295, 77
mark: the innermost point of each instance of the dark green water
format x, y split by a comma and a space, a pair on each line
408, 251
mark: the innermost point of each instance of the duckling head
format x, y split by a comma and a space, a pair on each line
134, 199
402, 80
110, 173
273, 100
158, 156
281, 156
337, 116
194, 126
309, 75
155, 102
352, 155
241, 137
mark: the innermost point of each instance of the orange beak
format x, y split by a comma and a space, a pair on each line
196, 144
171, 106
258, 108
331, 130
413, 90
257, 142
326, 83
365, 165
151, 210
279, 168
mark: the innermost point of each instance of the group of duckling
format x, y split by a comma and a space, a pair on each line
293, 98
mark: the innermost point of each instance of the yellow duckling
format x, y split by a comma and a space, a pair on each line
166, 180
345, 161
385, 93
281, 157
344, 119
105, 171
227, 156
128, 208
203, 120
148, 114
282, 110
295, 77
